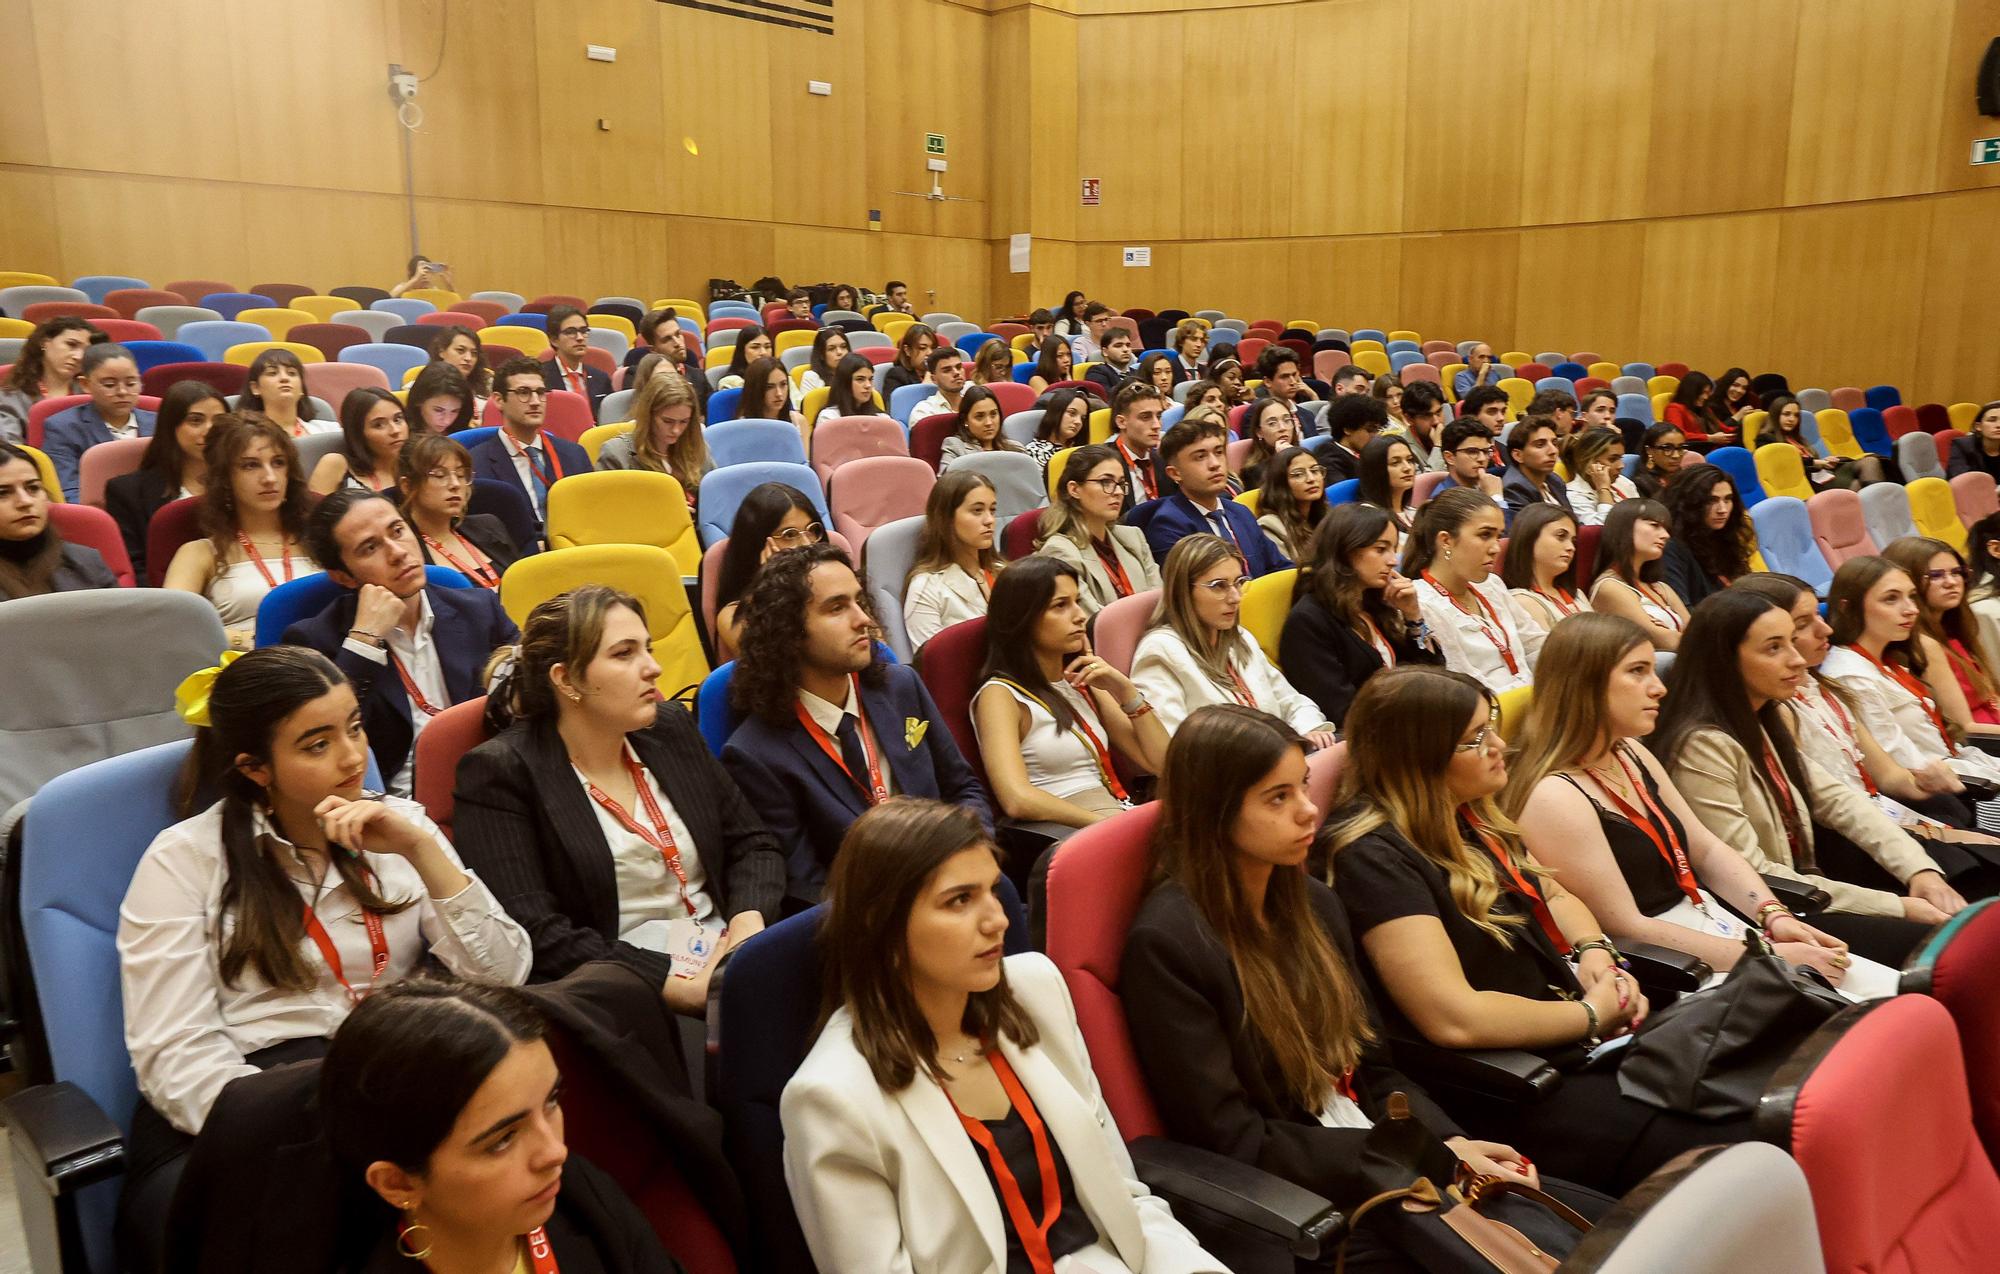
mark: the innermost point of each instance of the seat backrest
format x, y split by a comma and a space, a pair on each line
1741, 467
1840, 527
1975, 495
335, 381
223, 378
1781, 471
214, 339
840, 439
1785, 539
723, 490
1871, 432
1718, 1210
740, 441
621, 506
1116, 631
447, 737
874, 490
1636, 407
905, 397
104, 462
1266, 602
391, 359
1935, 511
1886, 509
927, 437
95, 529
616, 407
1957, 965
174, 524
890, 552
646, 571
1018, 484
950, 665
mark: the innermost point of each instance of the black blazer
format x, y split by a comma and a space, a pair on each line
1109, 377
468, 626
1968, 456
1340, 463
1213, 1079
1518, 490
491, 459
595, 383
132, 499
486, 533
527, 827
1685, 576
1327, 661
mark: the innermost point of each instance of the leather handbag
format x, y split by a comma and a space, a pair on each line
1473, 1224
1711, 1054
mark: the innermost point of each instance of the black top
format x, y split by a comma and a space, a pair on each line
1073, 1230
132, 499
1340, 463
1327, 661
486, 533
1646, 873
1215, 1082
1685, 575
1382, 877
894, 377
1968, 455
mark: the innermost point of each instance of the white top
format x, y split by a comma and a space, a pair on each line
1538, 614
1898, 719
1059, 762
1166, 672
419, 656
935, 405
1826, 735
1584, 503
524, 469
317, 425
189, 1033
1463, 640
808, 381
826, 715
935, 600
1653, 610
239, 588
649, 895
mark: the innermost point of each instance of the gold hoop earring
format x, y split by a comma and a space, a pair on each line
403, 1232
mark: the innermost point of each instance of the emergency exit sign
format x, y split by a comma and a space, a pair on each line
1986, 151
934, 143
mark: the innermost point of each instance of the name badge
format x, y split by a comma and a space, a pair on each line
690, 946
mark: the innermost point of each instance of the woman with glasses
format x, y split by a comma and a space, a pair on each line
1196, 653
772, 518
434, 475
1293, 501
1958, 669
1080, 528
1631, 579
1660, 453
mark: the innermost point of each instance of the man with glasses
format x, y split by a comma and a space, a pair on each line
1423, 421
523, 453
1197, 456
569, 333
1467, 450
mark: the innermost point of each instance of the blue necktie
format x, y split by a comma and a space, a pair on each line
536, 467
1221, 525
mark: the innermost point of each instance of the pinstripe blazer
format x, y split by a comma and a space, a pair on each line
527, 827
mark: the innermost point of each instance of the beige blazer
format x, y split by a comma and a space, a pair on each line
1128, 544
890, 1182
1714, 773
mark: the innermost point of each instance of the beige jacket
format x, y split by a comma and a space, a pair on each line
1128, 543
1714, 773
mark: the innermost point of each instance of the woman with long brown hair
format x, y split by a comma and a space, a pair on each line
1352, 614
45, 368
173, 467
434, 478
939, 1051
1957, 667
956, 559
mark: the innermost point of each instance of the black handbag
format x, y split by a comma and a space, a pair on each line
1711, 1054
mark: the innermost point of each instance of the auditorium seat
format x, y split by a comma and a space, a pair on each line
195, 289
1975, 496
1917, 456
1935, 511
1786, 541
646, 571
282, 293
1266, 602
1741, 467
1715, 1210
1839, 527
278, 320
303, 598
1837, 433
1870, 432
390, 359
1782, 472
14, 301
214, 339
927, 435
745, 441
1017, 480
170, 319
173, 524
247, 352
129, 301
624, 506
873, 491
97, 287
126, 332
1116, 630
230, 304
94, 528
840, 439
223, 378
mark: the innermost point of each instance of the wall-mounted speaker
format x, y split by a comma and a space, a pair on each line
1989, 80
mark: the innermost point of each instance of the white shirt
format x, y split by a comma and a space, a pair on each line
419, 656
935, 600
565, 371
1166, 672
189, 1032
524, 469
649, 894
1826, 735
1898, 720
826, 715
1583, 499
1537, 614
935, 405
1060, 762
1462, 634
130, 429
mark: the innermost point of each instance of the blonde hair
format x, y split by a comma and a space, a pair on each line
688, 458
1191, 556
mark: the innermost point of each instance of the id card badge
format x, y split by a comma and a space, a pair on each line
690, 946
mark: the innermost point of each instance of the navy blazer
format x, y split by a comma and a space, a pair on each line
492, 459
467, 627
595, 383
1176, 518
74, 430
1109, 378
809, 801
1518, 490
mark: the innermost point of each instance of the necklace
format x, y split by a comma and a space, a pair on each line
971, 1049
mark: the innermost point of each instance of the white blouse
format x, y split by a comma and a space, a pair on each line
649, 894
189, 1032
1826, 735
1898, 719
1583, 499
1166, 672
239, 587
1058, 761
1470, 640
1538, 614
935, 600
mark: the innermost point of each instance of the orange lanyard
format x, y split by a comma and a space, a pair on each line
1081, 729
257, 559
548, 449
1639, 587
481, 571
1121, 583
1034, 1235
1843, 738
1380, 641
661, 837
1145, 469
1496, 632
874, 792
1902, 677
1563, 600
1962, 665
417, 699
1520, 884
1242, 693
378, 947
1662, 834
541, 1254
1791, 809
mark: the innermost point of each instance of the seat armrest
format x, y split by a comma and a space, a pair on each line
1188, 1176
1505, 1074
1799, 898
59, 1129
1665, 969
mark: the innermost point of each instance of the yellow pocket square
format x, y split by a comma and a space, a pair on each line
913, 731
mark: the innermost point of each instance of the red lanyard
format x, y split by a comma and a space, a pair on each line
661, 837
540, 1253
1843, 738
548, 449
1496, 632
1380, 641
1963, 665
1081, 729
417, 699
1034, 1235
1144, 467
1902, 677
481, 572
257, 559
1121, 583
1563, 600
1662, 834
1640, 588
1242, 694
874, 792
1784, 791
1520, 884
378, 947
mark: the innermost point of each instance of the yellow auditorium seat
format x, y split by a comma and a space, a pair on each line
1962, 416
1753, 424
615, 323
798, 374
1660, 402
719, 356
47, 468
1515, 357
1312, 325
410, 375
1077, 372
1022, 344
1355, 348
277, 321
1513, 707
1448, 378
1837, 433
1519, 393
1266, 602
797, 339
1253, 385
814, 404
529, 340
1781, 472
624, 506
1606, 371
596, 436
884, 319
682, 307
246, 353
323, 308
1662, 384
1057, 462
26, 279
1249, 498
443, 298
16, 328
1757, 561
646, 571
1374, 362
1100, 425
1404, 334
1935, 512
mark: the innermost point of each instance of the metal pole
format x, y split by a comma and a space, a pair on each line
409, 182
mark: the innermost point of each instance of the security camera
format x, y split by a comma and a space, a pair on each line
402, 85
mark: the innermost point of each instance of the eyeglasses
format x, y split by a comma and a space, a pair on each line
1106, 484
1223, 587
1309, 471
574, 331
794, 536
1668, 448
1486, 735
1949, 573
449, 477
1475, 453
528, 393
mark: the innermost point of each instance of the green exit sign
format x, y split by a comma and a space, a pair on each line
934, 144
1986, 151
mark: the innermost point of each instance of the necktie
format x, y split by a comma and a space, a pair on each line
1221, 525
851, 751
575, 381
537, 465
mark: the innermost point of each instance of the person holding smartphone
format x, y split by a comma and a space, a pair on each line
425, 273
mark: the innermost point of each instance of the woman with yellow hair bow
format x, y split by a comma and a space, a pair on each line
252, 928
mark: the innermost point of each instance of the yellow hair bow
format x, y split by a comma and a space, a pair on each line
191, 696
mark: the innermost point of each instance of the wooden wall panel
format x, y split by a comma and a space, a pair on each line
1957, 355
1348, 283
315, 110
1865, 101
177, 228
1461, 284
581, 163
1706, 295
1128, 127
28, 210
24, 135
481, 133
1461, 151
1842, 270
1253, 193
1350, 79
1722, 76
1576, 285
1974, 25
1588, 123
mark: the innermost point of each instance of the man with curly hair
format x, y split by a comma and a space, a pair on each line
832, 728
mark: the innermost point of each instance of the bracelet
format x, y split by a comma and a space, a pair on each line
1771, 912
1135, 706
1598, 943
1592, 1035
363, 632
1144, 708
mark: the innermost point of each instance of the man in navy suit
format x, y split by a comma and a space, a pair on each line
569, 335
524, 453
1531, 476
411, 649
832, 727
1197, 455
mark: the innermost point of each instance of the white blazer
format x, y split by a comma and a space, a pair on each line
1165, 670
935, 600
890, 1182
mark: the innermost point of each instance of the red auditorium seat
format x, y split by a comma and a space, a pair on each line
224, 378
949, 665
173, 525
94, 528
927, 437
447, 737
43, 311
1017, 538
1840, 527
1958, 965
129, 301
